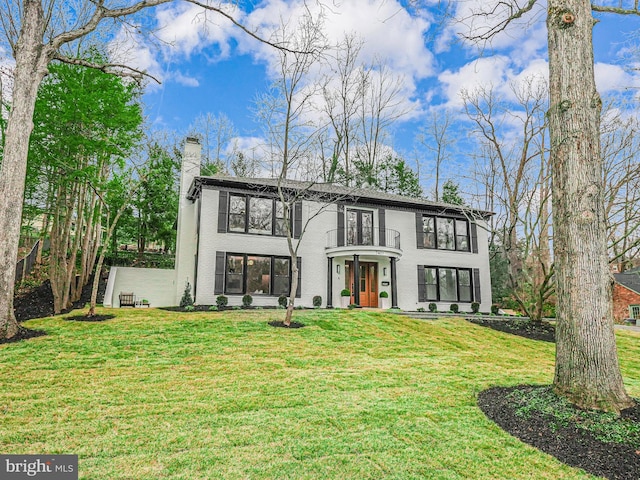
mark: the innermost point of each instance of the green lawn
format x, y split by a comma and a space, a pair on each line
354, 395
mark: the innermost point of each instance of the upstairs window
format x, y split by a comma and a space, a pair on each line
443, 233
261, 216
237, 213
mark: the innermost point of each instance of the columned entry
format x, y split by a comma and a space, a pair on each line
367, 288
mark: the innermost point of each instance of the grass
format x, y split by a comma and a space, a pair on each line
354, 395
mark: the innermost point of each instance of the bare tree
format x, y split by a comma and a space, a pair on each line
587, 370
436, 137
215, 133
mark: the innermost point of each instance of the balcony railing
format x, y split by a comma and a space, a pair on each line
339, 238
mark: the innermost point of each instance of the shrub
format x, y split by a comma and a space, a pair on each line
236, 307
213, 308
221, 301
454, 308
247, 300
421, 309
186, 299
345, 292
495, 309
384, 294
282, 301
189, 308
433, 308
317, 301
475, 307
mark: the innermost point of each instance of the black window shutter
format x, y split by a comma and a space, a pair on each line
297, 219
223, 204
419, 230
474, 237
299, 289
220, 267
476, 285
340, 226
422, 285
382, 228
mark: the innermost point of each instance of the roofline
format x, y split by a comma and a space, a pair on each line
255, 184
626, 286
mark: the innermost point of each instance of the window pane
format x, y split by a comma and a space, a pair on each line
281, 226
367, 228
281, 276
352, 227
237, 209
464, 281
462, 235
429, 232
445, 234
258, 275
432, 283
260, 215
234, 281
448, 285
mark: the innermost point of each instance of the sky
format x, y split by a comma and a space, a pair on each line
207, 65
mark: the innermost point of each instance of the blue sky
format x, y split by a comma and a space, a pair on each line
207, 65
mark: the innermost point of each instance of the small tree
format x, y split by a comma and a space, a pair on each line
187, 299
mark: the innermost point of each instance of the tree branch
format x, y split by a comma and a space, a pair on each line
112, 68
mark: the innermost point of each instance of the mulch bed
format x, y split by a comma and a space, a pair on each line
280, 324
569, 444
84, 318
23, 334
523, 328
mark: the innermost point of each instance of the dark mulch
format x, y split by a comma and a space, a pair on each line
563, 440
23, 334
84, 318
280, 324
524, 328
37, 302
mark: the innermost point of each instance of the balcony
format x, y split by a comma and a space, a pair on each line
387, 244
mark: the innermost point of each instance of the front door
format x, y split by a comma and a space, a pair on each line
368, 283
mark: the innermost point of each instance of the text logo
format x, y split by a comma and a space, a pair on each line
39, 467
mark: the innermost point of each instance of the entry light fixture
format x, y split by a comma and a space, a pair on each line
338, 269
384, 271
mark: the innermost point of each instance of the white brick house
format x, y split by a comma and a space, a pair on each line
231, 241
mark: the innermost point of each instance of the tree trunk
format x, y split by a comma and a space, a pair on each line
294, 288
31, 67
587, 371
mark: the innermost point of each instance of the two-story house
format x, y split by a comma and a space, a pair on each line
232, 241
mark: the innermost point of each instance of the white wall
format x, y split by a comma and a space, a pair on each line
314, 258
153, 284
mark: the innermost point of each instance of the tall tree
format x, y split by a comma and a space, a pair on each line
587, 370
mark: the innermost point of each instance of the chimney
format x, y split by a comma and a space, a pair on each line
187, 237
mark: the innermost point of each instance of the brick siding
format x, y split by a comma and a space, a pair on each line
622, 298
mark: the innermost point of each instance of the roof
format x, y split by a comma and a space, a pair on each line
629, 279
328, 191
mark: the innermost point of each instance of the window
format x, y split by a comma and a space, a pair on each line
281, 226
634, 311
257, 275
359, 227
260, 215
429, 232
448, 284
462, 235
235, 274
444, 233
431, 278
281, 276
257, 215
237, 213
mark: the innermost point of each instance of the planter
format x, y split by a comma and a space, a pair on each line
345, 302
385, 303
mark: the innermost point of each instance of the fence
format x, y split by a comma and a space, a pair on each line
24, 266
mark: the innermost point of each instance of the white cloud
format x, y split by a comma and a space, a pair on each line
614, 78
185, 80
484, 72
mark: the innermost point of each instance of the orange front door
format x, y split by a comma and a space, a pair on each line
367, 284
